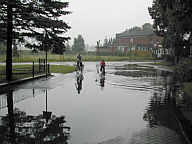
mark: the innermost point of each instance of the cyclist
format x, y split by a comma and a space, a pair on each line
79, 62
102, 68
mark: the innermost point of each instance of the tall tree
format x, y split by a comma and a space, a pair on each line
31, 18
105, 43
108, 42
3, 22
78, 44
172, 21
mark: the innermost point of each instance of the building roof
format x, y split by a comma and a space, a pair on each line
136, 33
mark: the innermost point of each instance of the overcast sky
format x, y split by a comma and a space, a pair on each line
97, 19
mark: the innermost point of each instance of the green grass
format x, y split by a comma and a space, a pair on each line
30, 57
188, 89
69, 57
25, 71
18, 67
62, 69
20, 72
53, 68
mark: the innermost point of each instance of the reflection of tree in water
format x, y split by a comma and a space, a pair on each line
161, 110
34, 129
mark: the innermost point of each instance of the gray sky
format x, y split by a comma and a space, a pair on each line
97, 19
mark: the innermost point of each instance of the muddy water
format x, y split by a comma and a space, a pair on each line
124, 106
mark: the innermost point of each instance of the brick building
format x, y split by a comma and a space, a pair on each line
137, 38
143, 40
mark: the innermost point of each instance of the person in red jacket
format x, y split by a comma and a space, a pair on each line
102, 68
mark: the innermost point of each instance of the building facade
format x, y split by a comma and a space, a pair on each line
136, 39
142, 40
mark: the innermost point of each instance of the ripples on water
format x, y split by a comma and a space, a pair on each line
163, 126
149, 122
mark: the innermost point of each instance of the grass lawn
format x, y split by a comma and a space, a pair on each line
20, 72
30, 57
25, 71
62, 69
188, 89
69, 57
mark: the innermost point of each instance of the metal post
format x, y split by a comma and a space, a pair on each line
46, 108
9, 40
48, 68
46, 100
46, 49
33, 70
43, 65
39, 65
46, 62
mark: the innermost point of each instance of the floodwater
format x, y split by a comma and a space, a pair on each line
117, 108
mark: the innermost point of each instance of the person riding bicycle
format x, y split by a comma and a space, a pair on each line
79, 62
102, 68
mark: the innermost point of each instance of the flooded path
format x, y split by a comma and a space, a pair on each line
121, 108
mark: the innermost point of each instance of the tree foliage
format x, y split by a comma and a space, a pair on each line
32, 18
172, 20
78, 44
108, 42
147, 26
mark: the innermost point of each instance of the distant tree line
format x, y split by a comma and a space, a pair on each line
78, 44
108, 42
32, 19
172, 21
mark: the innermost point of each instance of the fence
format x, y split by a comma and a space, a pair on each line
20, 71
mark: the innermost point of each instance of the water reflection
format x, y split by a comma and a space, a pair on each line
100, 76
161, 113
162, 108
18, 127
95, 119
139, 71
19, 95
11, 122
102, 80
46, 113
79, 79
